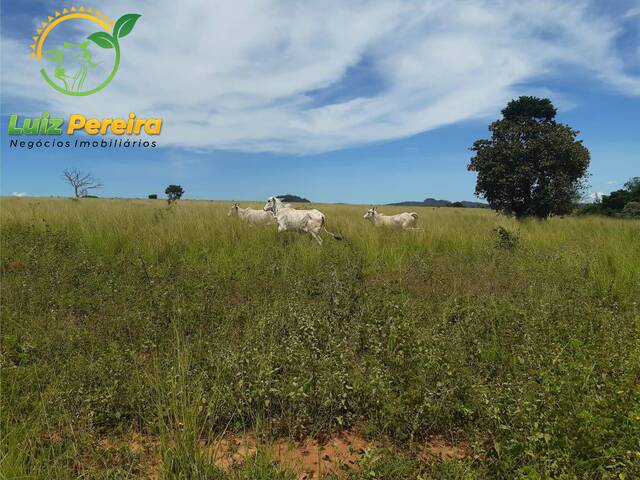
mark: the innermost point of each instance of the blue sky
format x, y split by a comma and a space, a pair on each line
363, 102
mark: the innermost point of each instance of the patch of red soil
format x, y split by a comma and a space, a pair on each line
309, 459
146, 447
438, 447
12, 266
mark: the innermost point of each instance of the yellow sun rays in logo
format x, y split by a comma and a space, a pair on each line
67, 14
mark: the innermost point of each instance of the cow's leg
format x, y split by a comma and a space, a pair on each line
316, 237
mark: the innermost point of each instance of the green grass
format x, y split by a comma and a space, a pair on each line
182, 324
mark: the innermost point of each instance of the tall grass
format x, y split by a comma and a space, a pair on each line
182, 324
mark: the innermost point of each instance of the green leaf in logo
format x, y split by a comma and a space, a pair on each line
125, 24
102, 39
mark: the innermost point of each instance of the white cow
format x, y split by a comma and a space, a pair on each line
404, 221
252, 216
304, 221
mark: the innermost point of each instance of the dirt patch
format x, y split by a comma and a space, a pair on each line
148, 450
13, 266
54, 436
145, 447
443, 450
309, 459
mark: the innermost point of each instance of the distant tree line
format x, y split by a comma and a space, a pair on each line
621, 203
432, 202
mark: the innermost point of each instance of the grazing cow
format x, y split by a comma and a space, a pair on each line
304, 221
252, 216
404, 221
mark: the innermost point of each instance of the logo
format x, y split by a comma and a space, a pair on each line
72, 68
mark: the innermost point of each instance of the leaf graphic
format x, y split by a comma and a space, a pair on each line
102, 39
125, 24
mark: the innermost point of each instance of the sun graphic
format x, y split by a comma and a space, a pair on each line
67, 14
73, 83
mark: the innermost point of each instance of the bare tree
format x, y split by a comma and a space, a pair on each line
81, 182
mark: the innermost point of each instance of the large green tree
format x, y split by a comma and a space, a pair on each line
531, 165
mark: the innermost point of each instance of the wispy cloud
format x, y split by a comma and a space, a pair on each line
258, 75
632, 12
19, 194
594, 196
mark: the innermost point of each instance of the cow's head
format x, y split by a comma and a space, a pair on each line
270, 206
372, 212
233, 210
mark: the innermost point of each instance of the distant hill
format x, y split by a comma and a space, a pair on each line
432, 202
292, 198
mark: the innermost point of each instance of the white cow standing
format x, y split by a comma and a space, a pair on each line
303, 221
252, 216
404, 221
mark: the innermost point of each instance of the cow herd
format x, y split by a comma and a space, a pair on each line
312, 222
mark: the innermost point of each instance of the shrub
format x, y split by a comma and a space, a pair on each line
632, 210
589, 209
506, 240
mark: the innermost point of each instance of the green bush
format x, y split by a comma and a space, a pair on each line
631, 210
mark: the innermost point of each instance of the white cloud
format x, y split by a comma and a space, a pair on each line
594, 196
632, 13
242, 75
19, 194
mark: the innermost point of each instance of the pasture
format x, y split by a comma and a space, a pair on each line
146, 341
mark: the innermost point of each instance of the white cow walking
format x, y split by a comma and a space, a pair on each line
252, 216
404, 221
303, 221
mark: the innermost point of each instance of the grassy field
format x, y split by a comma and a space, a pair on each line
137, 339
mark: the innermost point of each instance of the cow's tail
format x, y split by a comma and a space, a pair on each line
334, 235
